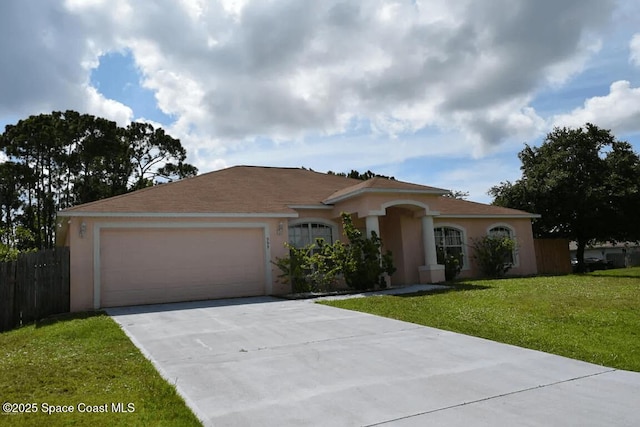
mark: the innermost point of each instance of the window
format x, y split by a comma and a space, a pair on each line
303, 234
501, 231
449, 242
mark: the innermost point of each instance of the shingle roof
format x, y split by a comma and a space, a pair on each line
263, 190
448, 206
238, 189
383, 184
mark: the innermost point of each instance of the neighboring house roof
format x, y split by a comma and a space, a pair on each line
255, 190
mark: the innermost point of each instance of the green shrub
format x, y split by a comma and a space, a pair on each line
292, 268
493, 254
317, 267
452, 264
322, 266
363, 264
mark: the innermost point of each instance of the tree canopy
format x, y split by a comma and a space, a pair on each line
358, 175
584, 183
457, 194
62, 159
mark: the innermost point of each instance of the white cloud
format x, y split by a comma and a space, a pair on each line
479, 178
47, 61
560, 72
634, 50
284, 69
619, 110
96, 104
511, 121
236, 72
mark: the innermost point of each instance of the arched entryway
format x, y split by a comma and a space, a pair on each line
406, 228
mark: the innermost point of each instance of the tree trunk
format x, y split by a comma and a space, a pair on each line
582, 243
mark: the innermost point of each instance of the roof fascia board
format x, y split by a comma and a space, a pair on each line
175, 215
310, 207
381, 190
488, 216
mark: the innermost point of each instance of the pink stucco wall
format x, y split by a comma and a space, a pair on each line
477, 228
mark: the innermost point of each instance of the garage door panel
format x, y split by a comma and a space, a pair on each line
175, 294
143, 266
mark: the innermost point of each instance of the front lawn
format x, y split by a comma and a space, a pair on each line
83, 363
593, 317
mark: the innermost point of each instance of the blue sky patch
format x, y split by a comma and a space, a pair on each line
118, 78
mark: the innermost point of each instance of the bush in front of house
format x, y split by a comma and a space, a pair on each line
362, 261
494, 254
319, 266
293, 268
452, 264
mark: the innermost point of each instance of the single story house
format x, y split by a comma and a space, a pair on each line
215, 235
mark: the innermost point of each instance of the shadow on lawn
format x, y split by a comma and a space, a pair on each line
454, 287
65, 317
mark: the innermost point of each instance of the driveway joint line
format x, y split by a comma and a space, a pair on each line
336, 338
489, 398
251, 350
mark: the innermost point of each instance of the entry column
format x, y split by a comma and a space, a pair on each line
429, 241
372, 225
431, 272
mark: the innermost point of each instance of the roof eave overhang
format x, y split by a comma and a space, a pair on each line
178, 214
310, 207
489, 216
333, 200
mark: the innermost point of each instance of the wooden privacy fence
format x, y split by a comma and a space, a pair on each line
33, 287
552, 256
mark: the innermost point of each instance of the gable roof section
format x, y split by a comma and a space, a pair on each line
268, 191
382, 185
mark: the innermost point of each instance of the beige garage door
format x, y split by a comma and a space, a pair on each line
148, 266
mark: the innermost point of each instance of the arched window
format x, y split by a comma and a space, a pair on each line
449, 242
502, 231
305, 233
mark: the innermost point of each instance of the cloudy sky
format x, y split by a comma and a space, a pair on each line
436, 92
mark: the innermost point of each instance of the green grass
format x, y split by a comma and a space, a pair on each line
593, 317
84, 359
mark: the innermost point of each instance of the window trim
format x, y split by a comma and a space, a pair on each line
323, 221
512, 231
466, 265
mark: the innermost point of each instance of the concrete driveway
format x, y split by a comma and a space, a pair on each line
269, 362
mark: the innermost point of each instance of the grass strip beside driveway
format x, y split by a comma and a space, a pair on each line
86, 364
595, 317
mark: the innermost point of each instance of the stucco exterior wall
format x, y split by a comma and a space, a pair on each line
367, 203
474, 228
